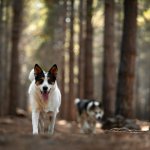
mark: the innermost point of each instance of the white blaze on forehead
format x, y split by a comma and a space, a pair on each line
45, 83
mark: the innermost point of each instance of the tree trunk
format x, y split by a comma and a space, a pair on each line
63, 103
4, 54
126, 76
6, 58
71, 111
1, 58
88, 71
81, 51
109, 69
15, 66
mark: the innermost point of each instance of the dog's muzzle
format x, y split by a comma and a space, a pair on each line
99, 116
45, 93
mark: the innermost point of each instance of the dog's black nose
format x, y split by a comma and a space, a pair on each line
99, 118
45, 88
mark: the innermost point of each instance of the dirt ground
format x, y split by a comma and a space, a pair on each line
16, 134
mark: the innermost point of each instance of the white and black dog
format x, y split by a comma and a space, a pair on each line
89, 112
44, 98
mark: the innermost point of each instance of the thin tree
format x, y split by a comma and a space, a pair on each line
63, 95
7, 49
1, 56
17, 8
126, 75
4, 54
88, 69
71, 111
109, 69
81, 50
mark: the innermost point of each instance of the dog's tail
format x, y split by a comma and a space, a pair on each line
31, 75
77, 100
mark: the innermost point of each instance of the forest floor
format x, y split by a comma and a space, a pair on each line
16, 134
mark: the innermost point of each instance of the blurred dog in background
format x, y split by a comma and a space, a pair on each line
89, 112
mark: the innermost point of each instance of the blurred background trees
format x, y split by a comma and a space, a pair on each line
126, 73
109, 66
14, 80
95, 44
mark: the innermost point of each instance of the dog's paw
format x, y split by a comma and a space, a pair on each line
35, 133
50, 131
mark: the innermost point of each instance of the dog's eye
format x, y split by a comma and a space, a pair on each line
40, 81
50, 81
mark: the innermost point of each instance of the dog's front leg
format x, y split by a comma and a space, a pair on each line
52, 123
35, 121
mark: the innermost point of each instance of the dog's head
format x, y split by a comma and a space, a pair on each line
45, 81
94, 110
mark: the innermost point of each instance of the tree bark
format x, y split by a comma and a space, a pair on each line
15, 65
81, 51
63, 95
109, 68
1, 58
71, 111
88, 71
126, 76
4, 54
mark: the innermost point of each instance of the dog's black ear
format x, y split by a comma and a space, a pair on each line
53, 70
37, 69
